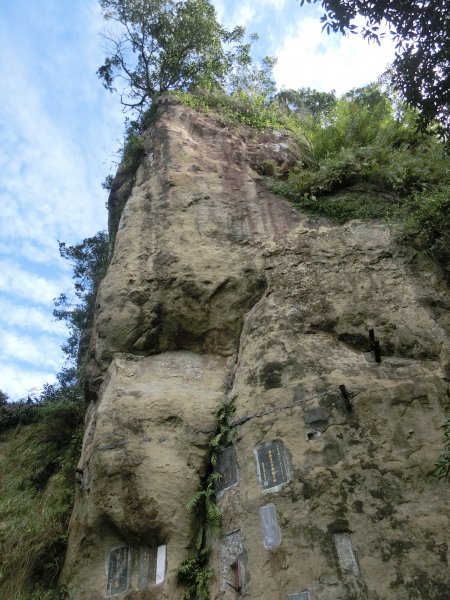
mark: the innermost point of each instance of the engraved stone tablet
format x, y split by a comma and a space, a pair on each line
117, 571
273, 465
231, 547
228, 469
160, 564
143, 566
305, 595
344, 550
270, 527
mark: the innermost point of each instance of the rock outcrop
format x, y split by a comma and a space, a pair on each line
216, 290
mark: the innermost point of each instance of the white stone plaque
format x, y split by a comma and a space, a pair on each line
344, 551
160, 564
270, 527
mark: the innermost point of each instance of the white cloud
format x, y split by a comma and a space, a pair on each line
308, 57
40, 351
29, 286
30, 318
58, 129
18, 382
244, 14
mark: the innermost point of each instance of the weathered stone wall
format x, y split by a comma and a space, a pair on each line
218, 289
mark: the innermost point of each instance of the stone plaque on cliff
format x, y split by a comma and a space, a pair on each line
270, 527
273, 464
117, 571
144, 561
150, 564
160, 564
228, 468
345, 554
305, 595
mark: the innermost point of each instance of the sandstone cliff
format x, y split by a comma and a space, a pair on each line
219, 290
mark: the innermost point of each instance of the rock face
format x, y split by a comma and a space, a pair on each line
218, 290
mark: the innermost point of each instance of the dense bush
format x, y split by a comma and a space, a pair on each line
37, 486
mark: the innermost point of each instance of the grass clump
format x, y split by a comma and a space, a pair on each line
248, 108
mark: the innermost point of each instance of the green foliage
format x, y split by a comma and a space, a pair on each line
358, 118
223, 415
426, 218
89, 259
442, 467
37, 488
256, 110
421, 70
254, 79
194, 573
41, 443
108, 183
167, 45
367, 160
307, 101
403, 170
17, 413
133, 153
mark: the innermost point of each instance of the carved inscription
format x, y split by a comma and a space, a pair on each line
305, 595
117, 571
345, 554
231, 548
228, 469
270, 527
273, 464
135, 567
143, 566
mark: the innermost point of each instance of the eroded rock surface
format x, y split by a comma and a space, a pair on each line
218, 289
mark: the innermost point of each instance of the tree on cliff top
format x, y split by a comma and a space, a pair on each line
167, 45
421, 30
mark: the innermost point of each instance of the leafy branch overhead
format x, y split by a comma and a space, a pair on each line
163, 45
421, 30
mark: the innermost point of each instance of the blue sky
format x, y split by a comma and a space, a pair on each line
59, 134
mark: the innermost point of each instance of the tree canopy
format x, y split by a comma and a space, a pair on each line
307, 100
165, 45
421, 29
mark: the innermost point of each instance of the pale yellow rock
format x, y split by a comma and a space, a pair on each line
218, 289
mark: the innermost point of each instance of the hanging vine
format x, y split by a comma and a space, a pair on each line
194, 572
